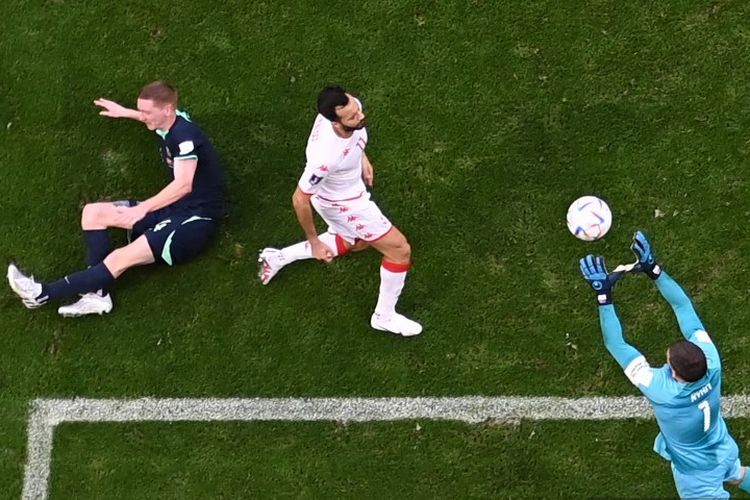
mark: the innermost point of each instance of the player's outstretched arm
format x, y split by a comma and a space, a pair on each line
690, 324
614, 340
681, 304
595, 273
115, 110
670, 290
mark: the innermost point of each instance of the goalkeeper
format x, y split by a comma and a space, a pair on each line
685, 393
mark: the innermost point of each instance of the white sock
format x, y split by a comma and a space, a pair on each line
391, 284
303, 250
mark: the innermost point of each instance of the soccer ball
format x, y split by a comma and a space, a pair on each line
589, 218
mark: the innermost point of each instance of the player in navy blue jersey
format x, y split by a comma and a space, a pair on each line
685, 393
171, 227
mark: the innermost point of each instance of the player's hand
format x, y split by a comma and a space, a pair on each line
646, 261
128, 216
367, 173
321, 251
114, 110
595, 273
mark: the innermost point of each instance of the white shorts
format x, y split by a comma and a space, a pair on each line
359, 218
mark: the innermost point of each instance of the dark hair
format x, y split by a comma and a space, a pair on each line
160, 92
687, 360
330, 98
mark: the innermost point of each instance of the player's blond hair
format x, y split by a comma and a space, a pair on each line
160, 92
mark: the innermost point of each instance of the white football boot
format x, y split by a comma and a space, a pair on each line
90, 303
25, 287
271, 261
395, 323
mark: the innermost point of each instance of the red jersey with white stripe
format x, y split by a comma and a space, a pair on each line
334, 164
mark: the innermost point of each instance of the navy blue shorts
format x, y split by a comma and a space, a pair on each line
175, 234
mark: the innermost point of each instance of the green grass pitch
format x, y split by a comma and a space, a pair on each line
486, 120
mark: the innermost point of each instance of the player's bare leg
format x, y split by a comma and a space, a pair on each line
101, 276
138, 253
135, 254
101, 215
396, 253
272, 260
95, 219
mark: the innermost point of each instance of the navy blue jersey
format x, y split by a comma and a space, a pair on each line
185, 140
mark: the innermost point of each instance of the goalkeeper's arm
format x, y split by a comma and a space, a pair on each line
681, 305
595, 273
615, 343
670, 290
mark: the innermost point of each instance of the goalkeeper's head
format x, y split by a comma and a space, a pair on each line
687, 360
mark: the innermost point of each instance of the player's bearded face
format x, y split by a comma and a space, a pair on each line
355, 126
351, 117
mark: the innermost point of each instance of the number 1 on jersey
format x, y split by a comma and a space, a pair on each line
706, 415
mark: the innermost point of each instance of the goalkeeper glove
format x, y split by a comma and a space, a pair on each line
646, 261
595, 273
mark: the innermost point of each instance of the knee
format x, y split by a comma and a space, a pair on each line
137, 253
118, 261
738, 481
406, 250
402, 252
91, 215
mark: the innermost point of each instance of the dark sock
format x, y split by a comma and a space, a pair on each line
92, 279
98, 246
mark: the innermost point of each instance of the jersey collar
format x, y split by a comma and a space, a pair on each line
178, 114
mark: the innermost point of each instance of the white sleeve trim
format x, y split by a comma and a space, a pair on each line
702, 336
188, 157
186, 147
639, 372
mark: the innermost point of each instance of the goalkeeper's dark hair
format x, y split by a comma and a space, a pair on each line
329, 99
687, 360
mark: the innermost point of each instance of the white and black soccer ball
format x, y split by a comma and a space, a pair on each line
589, 218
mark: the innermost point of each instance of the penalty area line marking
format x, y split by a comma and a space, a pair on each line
46, 414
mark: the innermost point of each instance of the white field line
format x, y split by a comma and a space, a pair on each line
46, 414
